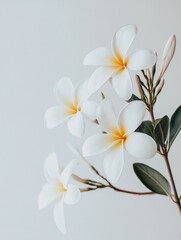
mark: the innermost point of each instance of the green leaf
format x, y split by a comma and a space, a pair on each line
156, 122
133, 98
161, 130
175, 125
146, 127
152, 179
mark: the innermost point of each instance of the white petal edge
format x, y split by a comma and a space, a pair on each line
97, 144
99, 78
58, 213
72, 196
76, 125
132, 116
48, 194
141, 59
67, 172
113, 163
51, 168
123, 39
55, 115
140, 145
64, 91
99, 57
89, 109
81, 91
106, 116
122, 84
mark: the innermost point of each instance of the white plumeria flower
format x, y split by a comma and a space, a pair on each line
74, 106
119, 136
58, 189
116, 64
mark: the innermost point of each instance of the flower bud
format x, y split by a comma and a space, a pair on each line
138, 81
168, 54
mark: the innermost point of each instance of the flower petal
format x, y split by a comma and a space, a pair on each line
99, 77
106, 116
48, 194
132, 116
113, 163
99, 57
76, 125
140, 145
59, 216
72, 195
122, 84
123, 39
141, 59
97, 144
67, 172
64, 91
89, 109
51, 168
81, 92
55, 115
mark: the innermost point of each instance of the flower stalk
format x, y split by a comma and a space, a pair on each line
176, 197
98, 185
153, 91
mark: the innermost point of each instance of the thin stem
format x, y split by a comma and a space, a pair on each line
164, 151
97, 185
92, 188
152, 113
130, 192
97, 172
165, 155
151, 105
177, 201
126, 191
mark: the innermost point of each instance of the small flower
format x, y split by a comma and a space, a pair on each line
58, 189
74, 106
119, 136
116, 64
168, 54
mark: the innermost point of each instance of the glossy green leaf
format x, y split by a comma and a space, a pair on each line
133, 98
175, 125
161, 130
146, 127
156, 122
152, 179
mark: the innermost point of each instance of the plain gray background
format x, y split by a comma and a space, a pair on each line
41, 41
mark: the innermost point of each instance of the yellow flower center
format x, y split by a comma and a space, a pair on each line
120, 135
119, 63
74, 108
61, 188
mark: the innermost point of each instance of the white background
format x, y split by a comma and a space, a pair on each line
41, 41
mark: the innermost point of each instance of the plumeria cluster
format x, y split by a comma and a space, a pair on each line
125, 132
